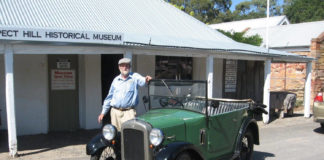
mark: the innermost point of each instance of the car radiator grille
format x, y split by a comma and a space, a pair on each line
133, 144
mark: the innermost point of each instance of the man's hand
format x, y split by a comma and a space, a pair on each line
100, 117
148, 78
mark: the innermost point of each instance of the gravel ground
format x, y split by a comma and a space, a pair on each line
71, 145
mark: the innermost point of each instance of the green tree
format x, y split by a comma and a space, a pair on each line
256, 9
286, 4
204, 10
255, 40
298, 11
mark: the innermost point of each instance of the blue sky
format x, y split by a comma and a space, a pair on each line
235, 2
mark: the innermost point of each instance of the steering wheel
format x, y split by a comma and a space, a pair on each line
165, 101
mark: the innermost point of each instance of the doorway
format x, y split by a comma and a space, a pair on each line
243, 79
109, 70
63, 92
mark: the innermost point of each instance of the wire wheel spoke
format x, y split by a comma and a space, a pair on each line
108, 154
245, 145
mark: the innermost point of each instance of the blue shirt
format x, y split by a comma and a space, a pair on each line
123, 93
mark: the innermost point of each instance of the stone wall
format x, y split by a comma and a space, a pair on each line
291, 76
288, 77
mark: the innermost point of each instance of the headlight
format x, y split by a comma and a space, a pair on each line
156, 136
109, 132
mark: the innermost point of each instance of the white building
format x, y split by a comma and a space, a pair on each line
243, 25
299, 39
292, 37
52, 53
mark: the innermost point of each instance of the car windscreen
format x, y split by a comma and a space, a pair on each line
189, 95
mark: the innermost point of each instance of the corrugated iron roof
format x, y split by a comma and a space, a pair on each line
239, 26
293, 35
145, 22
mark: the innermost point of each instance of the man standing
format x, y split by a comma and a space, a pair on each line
122, 97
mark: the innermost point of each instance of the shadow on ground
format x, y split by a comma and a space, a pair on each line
45, 142
319, 130
261, 155
274, 117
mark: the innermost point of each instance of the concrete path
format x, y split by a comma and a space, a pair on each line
295, 138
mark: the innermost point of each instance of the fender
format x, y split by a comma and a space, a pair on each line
170, 151
97, 143
251, 123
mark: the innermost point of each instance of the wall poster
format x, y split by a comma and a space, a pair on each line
62, 79
230, 75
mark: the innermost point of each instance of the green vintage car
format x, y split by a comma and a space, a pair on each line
182, 124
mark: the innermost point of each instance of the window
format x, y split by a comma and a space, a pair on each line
168, 67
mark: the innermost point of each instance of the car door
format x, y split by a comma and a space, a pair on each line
222, 132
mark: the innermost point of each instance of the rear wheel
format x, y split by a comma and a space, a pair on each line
246, 146
106, 154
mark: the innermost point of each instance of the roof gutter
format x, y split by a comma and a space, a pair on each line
274, 56
227, 53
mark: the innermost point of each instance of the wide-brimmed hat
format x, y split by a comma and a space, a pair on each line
124, 60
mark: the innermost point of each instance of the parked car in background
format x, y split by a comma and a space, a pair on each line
182, 124
318, 109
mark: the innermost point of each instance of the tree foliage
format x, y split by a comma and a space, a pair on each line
256, 9
239, 37
204, 10
299, 11
217, 11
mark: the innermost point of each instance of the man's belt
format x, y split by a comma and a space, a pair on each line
123, 109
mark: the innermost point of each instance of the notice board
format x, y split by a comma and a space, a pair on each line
230, 75
62, 79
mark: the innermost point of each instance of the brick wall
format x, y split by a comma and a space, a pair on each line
291, 76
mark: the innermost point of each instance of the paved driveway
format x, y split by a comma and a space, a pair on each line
296, 138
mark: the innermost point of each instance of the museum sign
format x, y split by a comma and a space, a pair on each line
61, 35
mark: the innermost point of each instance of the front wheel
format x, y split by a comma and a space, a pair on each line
246, 146
108, 153
184, 156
